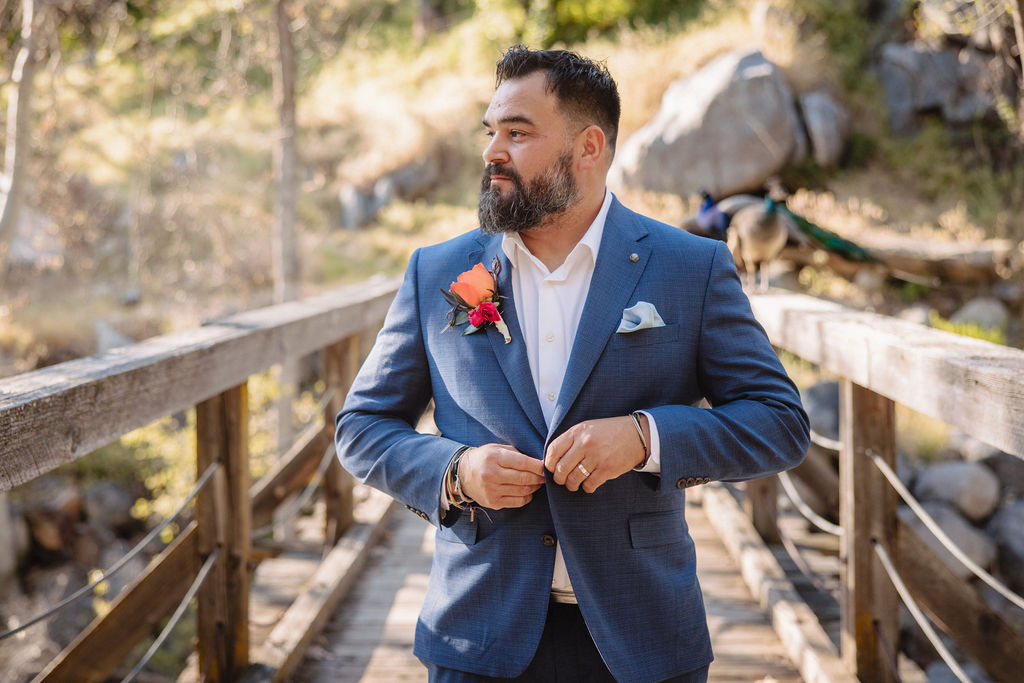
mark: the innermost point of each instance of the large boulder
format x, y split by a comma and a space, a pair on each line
726, 129
969, 486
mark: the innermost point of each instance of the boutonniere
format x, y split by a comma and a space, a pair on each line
475, 300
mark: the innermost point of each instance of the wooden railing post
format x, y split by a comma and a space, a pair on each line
224, 521
341, 363
867, 512
760, 502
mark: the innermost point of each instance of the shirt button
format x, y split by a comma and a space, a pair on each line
551, 396
548, 540
550, 338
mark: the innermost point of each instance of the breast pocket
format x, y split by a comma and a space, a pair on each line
646, 337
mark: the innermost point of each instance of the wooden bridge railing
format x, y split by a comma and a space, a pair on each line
974, 386
57, 414
54, 415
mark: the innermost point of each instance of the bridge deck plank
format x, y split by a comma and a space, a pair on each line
370, 637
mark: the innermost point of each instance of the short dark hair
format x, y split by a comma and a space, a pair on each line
584, 88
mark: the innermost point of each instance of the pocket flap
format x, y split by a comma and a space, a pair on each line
657, 528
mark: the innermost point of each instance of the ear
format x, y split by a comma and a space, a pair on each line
590, 144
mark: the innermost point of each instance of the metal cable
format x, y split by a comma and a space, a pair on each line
176, 617
825, 442
801, 563
813, 517
946, 541
918, 615
200, 483
304, 497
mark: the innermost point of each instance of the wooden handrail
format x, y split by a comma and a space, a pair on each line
52, 416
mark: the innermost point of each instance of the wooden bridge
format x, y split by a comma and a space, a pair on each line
338, 602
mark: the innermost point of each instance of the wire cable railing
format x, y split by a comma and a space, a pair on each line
819, 439
300, 502
117, 566
941, 535
917, 614
804, 509
175, 618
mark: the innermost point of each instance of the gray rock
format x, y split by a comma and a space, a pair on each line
124, 576
1007, 528
916, 78
938, 672
726, 128
1009, 470
970, 448
828, 125
970, 487
109, 505
975, 544
821, 401
983, 311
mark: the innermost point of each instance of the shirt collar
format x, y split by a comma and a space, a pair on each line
512, 243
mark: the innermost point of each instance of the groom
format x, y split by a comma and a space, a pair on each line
585, 336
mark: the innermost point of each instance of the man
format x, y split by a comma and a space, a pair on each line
567, 414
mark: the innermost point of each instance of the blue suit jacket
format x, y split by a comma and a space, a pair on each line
626, 546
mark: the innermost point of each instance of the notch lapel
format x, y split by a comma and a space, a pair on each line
615, 277
512, 358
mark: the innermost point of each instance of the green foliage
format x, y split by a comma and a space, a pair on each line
847, 30
549, 22
990, 334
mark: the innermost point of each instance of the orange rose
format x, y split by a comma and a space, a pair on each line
474, 286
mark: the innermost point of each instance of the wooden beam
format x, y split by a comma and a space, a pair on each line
760, 502
867, 511
973, 385
133, 616
341, 363
223, 519
52, 416
955, 605
284, 648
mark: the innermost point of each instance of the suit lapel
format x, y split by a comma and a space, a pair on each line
615, 277
512, 358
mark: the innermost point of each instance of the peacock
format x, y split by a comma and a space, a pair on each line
757, 234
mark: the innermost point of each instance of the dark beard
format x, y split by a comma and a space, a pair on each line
528, 205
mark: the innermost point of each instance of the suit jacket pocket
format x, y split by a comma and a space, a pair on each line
657, 528
647, 337
463, 531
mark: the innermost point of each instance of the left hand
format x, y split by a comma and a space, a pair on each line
607, 448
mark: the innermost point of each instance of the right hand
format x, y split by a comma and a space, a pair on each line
498, 476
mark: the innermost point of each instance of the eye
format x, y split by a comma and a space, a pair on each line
489, 133
516, 134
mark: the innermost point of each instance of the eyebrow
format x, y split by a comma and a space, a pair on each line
513, 118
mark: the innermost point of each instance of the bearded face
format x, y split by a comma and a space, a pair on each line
529, 203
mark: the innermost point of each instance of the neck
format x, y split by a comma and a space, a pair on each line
552, 240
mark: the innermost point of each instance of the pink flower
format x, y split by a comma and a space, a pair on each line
486, 312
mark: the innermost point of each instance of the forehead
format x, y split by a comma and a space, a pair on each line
522, 100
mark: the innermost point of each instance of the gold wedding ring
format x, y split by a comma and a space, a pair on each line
583, 469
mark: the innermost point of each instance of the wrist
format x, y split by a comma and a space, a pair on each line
642, 431
457, 496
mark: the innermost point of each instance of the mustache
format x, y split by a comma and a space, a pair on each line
501, 169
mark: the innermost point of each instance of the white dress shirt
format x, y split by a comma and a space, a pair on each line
549, 305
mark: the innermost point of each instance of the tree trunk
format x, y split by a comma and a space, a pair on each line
1017, 10
285, 260
12, 179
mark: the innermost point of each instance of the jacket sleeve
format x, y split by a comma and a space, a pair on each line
756, 425
375, 431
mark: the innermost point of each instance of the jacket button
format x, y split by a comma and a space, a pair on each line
681, 484
548, 540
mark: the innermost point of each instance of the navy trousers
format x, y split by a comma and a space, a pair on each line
566, 654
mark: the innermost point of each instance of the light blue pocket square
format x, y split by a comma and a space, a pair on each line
641, 316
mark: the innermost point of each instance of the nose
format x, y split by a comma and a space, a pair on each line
495, 152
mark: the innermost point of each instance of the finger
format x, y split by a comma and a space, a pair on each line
557, 450
520, 462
